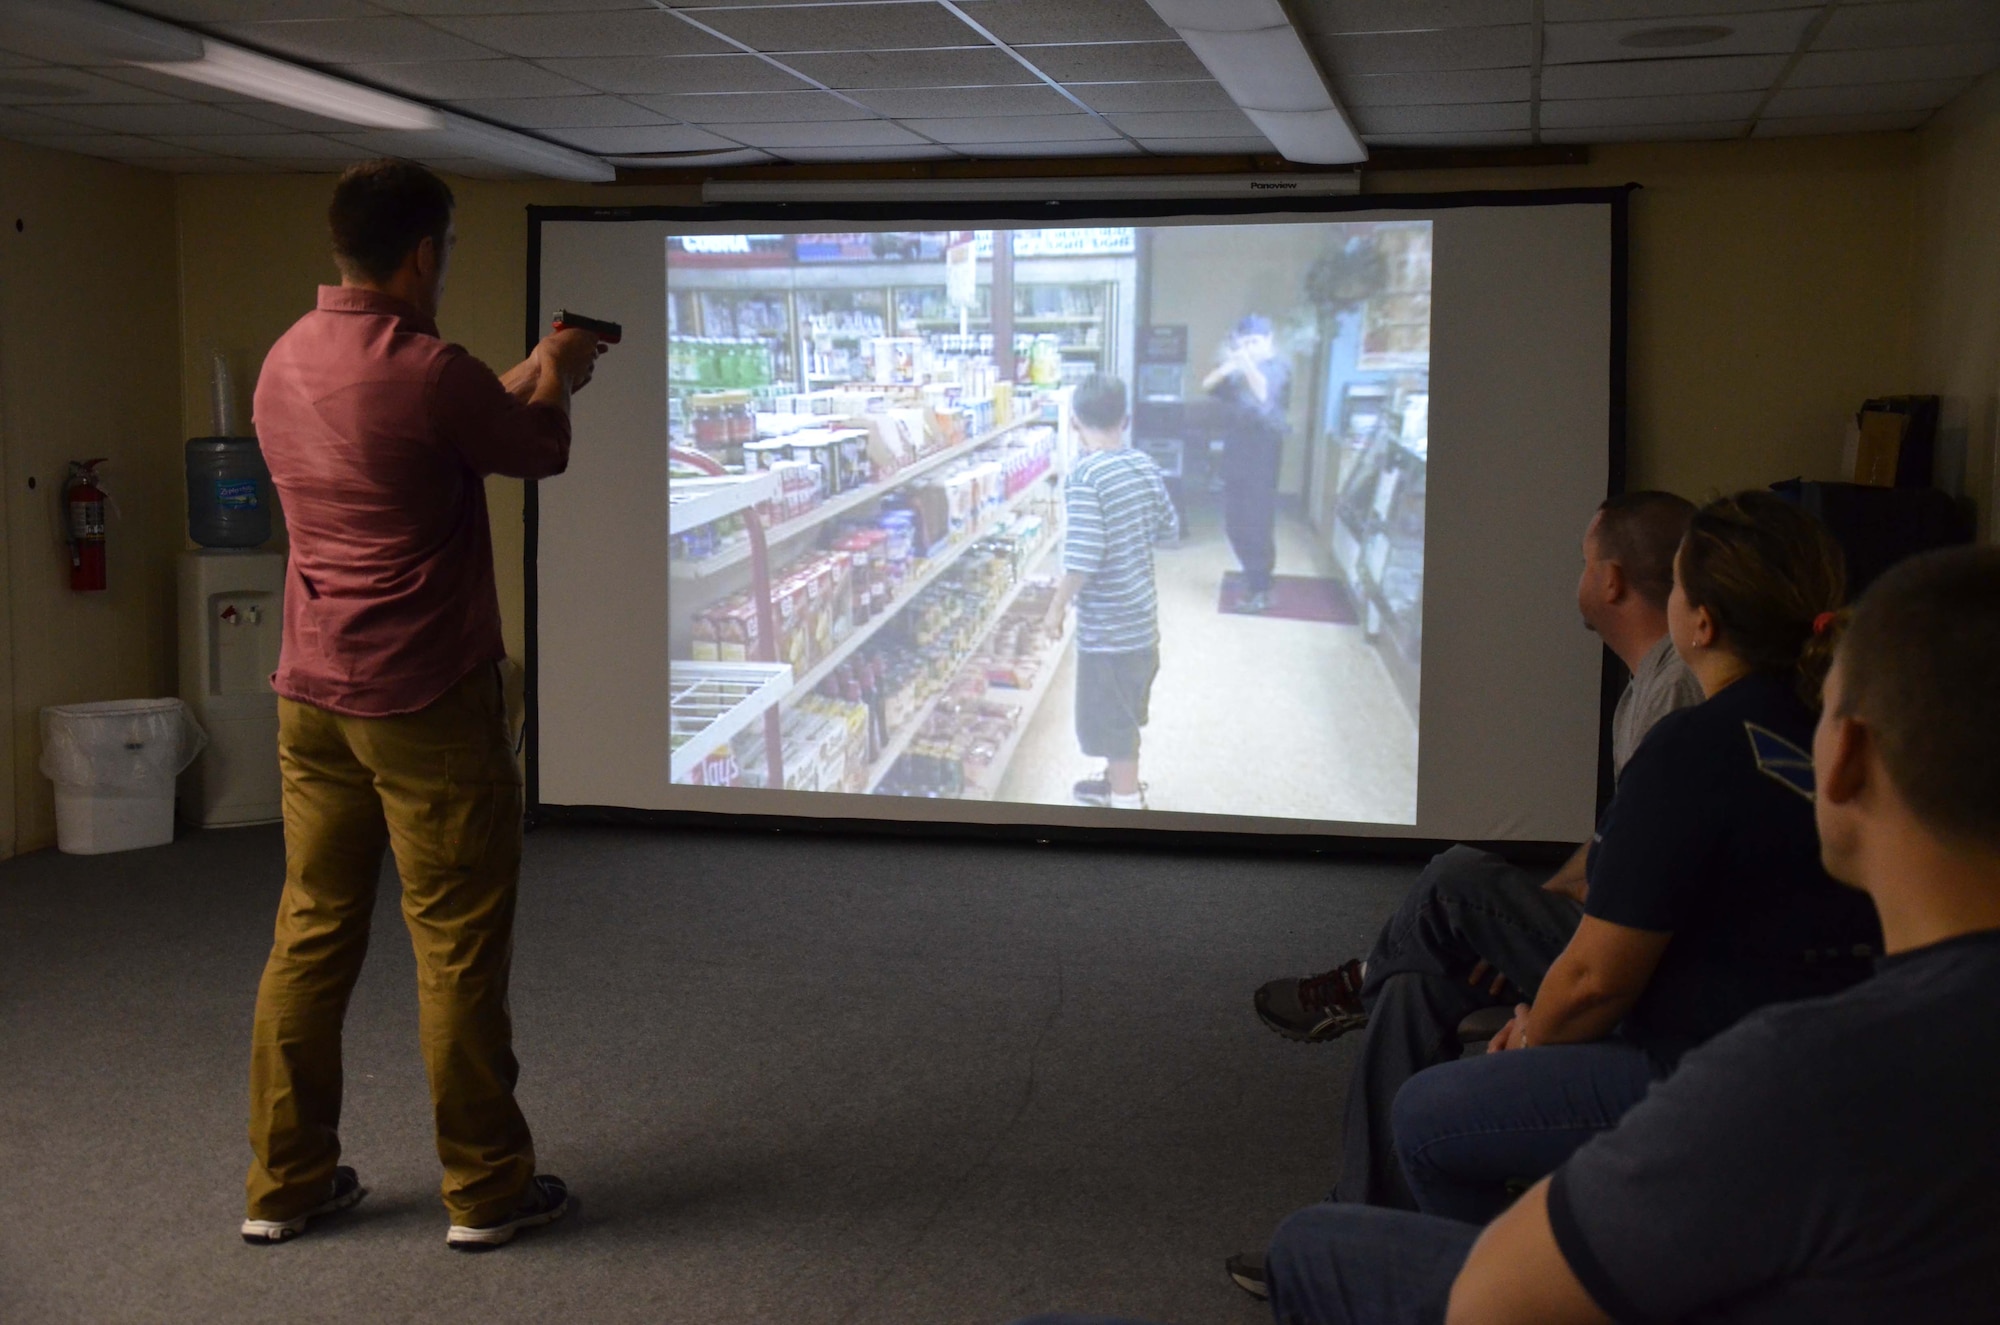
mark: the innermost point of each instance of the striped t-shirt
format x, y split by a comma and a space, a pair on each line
1117, 507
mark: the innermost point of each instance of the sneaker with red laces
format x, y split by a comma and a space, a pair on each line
1319, 1007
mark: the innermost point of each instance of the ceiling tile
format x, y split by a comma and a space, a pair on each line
256, 146
643, 138
1348, 16
1573, 11
1649, 133
1447, 88
1429, 52
687, 73
165, 118
623, 32
383, 39
15, 123
1186, 124
1492, 118
925, 153
1599, 112
1207, 146
431, 7
1655, 78
1081, 147
99, 144
1193, 94
1865, 98
197, 165
1520, 138
1116, 62
754, 107
1041, 22
1906, 64
959, 102
831, 133
1823, 124
979, 67
849, 27
560, 112
55, 86
1015, 128
1927, 23
227, 11
1773, 33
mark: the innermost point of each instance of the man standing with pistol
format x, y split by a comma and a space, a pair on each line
392, 729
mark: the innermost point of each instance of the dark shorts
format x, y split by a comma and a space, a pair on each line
1113, 691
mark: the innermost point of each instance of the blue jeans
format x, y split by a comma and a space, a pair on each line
1464, 1130
1341, 1264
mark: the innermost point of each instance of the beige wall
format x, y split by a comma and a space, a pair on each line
1958, 287
1770, 295
88, 346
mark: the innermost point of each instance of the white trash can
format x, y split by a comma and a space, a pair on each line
114, 765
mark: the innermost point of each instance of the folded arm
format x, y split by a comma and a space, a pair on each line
1594, 983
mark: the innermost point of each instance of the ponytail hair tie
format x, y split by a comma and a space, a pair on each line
1824, 622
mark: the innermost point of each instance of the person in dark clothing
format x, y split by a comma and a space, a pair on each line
1707, 898
1824, 1162
1255, 386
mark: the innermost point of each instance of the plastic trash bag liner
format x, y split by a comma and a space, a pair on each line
119, 743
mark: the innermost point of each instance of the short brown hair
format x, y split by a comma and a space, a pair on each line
1641, 531
1099, 402
382, 210
1766, 571
1920, 664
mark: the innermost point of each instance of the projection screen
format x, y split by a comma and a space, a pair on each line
1191, 517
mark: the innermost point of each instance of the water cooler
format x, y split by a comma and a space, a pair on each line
232, 604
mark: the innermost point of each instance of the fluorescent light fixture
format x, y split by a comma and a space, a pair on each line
285, 84
1262, 63
1080, 189
90, 32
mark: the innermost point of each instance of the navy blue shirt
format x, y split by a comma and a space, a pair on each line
1830, 1162
1710, 838
1250, 418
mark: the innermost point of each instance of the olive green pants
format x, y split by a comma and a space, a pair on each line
440, 788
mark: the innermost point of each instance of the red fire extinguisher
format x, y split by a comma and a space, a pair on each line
83, 512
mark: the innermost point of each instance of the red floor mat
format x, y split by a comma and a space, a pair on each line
1296, 598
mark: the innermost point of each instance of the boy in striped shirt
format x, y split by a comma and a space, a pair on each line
1116, 508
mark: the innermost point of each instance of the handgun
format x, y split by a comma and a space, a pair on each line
608, 332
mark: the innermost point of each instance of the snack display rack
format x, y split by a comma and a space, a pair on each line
900, 743
712, 702
834, 507
933, 569
1026, 704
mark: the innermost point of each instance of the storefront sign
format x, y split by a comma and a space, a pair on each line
729, 250
961, 275
1104, 241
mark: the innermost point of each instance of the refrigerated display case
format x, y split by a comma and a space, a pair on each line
1378, 535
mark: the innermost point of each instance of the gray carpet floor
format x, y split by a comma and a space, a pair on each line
810, 1080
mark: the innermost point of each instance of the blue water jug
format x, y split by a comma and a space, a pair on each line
229, 492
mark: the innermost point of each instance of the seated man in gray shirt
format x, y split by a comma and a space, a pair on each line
1477, 931
1826, 1162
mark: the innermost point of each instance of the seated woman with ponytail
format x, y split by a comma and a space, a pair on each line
1707, 897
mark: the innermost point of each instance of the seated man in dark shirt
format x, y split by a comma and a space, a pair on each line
1821, 1162
1707, 898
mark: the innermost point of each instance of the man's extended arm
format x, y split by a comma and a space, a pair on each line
1516, 1274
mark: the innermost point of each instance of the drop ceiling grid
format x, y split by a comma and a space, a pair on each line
740, 82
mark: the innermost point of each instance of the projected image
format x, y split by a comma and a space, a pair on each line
1127, 517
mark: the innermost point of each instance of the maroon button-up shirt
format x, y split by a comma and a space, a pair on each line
379, 435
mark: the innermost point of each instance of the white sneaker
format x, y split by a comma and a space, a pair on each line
545, 1201
347, 1193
